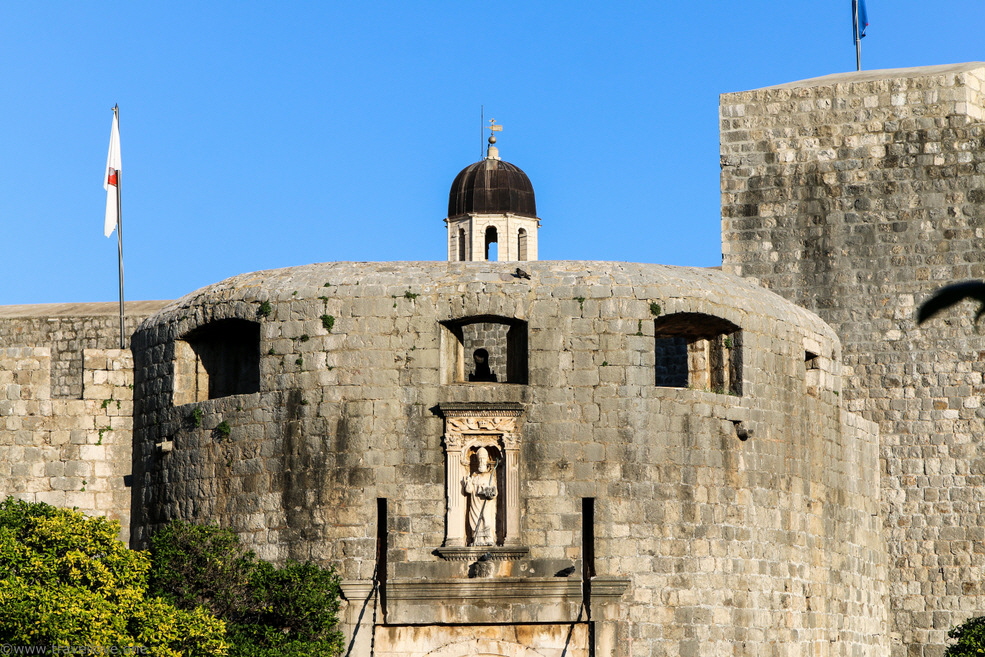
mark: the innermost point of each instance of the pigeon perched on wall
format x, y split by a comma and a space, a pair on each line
521, 274
951, 295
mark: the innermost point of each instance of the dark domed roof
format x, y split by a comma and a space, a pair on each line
491, 187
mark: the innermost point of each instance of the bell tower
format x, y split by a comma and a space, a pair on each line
492, 214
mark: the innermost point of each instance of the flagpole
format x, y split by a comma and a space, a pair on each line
119, 240
858, 41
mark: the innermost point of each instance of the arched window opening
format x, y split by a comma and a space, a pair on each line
698, 351
219, 359
492, 252
462, 254
485, 349
521, 245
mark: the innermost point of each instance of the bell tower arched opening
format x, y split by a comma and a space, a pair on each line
492, 243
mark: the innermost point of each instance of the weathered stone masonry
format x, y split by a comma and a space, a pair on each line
721, 520
66, 406
856, 196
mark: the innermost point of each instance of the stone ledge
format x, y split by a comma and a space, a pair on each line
357, 589
487, 600
522, 589
608, 589
480, 409
475, 553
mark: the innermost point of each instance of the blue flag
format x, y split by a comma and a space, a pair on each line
860, 20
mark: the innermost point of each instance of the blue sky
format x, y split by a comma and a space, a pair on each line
258, 135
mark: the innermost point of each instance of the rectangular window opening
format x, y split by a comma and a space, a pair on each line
484, 350
698, 351
216, 360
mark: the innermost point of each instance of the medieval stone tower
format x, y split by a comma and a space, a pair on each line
564, 459
856, 196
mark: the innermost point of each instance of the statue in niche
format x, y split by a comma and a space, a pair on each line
482, 371
480, 486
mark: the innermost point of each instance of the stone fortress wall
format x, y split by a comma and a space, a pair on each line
66, 406
652, 520
749, 509
856, 196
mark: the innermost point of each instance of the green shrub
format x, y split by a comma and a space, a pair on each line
200, 565
270, 612
66, 580
970, 637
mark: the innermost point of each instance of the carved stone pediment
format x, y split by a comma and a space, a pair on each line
496, 424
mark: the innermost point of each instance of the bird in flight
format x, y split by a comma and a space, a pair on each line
951, 295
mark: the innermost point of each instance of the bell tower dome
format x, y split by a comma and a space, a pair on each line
492, 214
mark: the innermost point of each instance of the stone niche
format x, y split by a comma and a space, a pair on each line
482, 453
218, 359
493, 580
484, 349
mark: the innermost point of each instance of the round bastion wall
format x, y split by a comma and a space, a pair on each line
668, 451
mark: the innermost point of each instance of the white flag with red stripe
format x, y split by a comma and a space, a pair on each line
111, 179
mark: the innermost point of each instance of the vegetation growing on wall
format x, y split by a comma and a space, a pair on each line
222, 430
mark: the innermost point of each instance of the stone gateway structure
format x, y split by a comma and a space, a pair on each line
673, 518
520, 458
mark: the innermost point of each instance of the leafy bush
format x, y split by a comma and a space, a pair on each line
270, 612
66, 580
200, 565
970, 637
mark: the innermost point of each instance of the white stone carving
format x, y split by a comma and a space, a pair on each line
483, 506
482, 490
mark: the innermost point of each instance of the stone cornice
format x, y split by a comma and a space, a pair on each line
480, 409
496, 553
